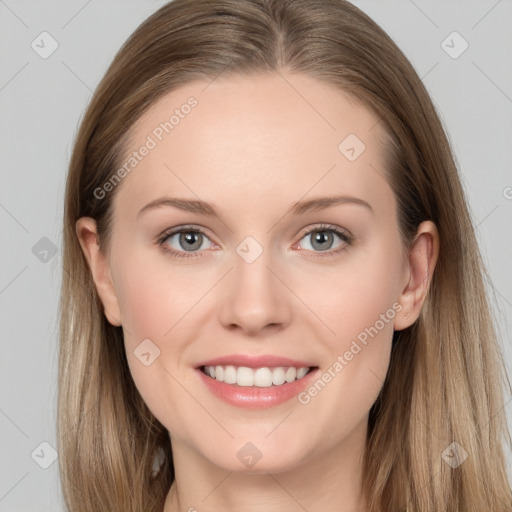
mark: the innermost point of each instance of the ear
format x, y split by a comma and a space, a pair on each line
418, 272
86, 231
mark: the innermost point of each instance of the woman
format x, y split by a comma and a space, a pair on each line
273, 297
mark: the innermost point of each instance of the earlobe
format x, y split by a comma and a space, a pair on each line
87, 234
421, 262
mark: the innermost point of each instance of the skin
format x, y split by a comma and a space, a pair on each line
252, 147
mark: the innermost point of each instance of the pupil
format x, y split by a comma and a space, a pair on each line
322, 237
190, 240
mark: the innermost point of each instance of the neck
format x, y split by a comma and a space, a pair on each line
328, 482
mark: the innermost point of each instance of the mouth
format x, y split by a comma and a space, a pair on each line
264, 377
256, 382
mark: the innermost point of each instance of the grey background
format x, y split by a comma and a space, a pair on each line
42, 101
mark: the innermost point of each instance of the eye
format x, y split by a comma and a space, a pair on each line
184, 240
323, 238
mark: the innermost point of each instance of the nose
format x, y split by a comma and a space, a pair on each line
255, 301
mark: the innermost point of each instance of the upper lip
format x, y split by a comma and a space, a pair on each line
250, 361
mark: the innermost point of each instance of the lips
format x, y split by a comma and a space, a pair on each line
262, 393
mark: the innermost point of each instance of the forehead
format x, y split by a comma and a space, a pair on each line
238, 140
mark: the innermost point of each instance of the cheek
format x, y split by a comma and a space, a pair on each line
145, 310
358, 302
351, 377
349, 298
152, 299
154, 343
160, 303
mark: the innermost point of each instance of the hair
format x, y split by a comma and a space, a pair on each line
446, 375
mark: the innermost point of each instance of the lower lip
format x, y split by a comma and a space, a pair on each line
253, 397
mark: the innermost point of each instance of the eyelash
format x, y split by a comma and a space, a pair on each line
347, 239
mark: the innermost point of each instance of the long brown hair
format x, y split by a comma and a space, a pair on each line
445, 379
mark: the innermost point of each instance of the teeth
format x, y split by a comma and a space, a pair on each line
229, 375
245, 376
261, 377
290, 375
278, 376
301, 372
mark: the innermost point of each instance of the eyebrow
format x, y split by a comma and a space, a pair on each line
297, 208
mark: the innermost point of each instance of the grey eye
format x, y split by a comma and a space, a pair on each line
187, 240
321, 240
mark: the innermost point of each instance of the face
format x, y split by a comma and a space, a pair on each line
262, 276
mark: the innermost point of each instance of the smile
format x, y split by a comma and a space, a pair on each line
255, 377
256, 382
